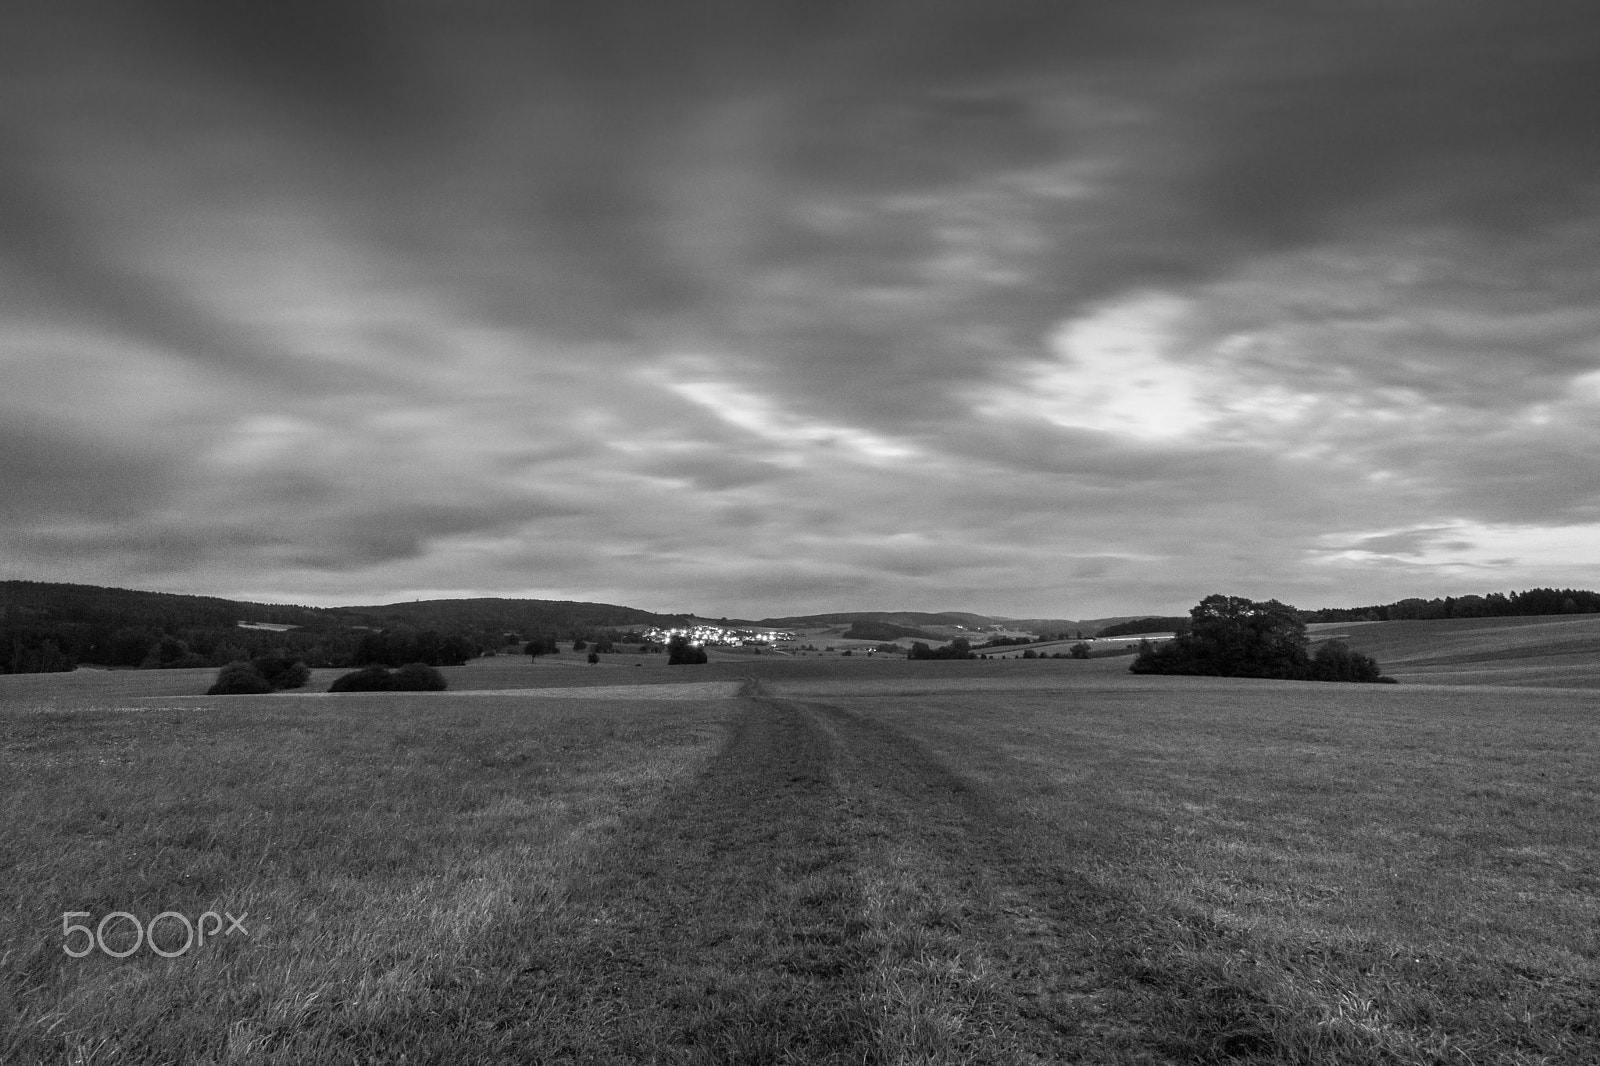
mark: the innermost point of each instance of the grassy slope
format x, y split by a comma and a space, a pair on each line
1554, 651
865, 861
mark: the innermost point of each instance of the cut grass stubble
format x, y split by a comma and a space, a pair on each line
967, 866
367, 842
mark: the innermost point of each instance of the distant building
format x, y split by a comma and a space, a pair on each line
718, 636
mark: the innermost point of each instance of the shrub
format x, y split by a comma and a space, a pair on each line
593, 657
1079, 650
366, 679
239, 679
417, 677
1334, 661
280, 670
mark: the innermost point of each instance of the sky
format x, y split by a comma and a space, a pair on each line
750, 309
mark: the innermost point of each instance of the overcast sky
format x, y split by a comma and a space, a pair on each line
1064, 309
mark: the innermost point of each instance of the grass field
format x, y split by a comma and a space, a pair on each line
770, 861
1557, 651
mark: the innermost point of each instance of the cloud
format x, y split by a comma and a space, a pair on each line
1039, 309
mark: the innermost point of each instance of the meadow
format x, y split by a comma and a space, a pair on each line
1547, 651
825, 860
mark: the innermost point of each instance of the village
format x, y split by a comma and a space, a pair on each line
719, 636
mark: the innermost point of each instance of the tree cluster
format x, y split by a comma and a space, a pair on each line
1007, 642
1538, 601
34, 654
1231, 636
396, 647
1177, 624
960, 648
267, 673
682, 653
541, 644
412, 677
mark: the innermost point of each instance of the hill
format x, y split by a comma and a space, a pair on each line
512, 615
864, 630
953, 622
908, 619
1147, 624
49, 626
1548, 651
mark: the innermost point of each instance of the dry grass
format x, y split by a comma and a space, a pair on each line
372, 841
1545, 652
1286, 873
880, 862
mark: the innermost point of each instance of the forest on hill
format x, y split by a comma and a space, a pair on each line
48, 626
1533, 602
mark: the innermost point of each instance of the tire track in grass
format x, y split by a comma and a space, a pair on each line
992, 948
724, 927
997, 950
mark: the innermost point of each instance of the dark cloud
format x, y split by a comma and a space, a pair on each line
344, 63
49, 474
1051, 309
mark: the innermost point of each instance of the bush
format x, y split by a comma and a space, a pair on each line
366, 679
1079, 650
239, 679
1334, 661
280, 670
417, 677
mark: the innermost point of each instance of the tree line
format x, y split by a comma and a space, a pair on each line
47, 626
1537, 601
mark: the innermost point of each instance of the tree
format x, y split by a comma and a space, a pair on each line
579, 644
1231, 636
960, 648
594, 657
1079, 650
681, 653
45, 657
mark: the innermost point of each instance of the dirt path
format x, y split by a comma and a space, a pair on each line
723, 927
1018, 955
825, 892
